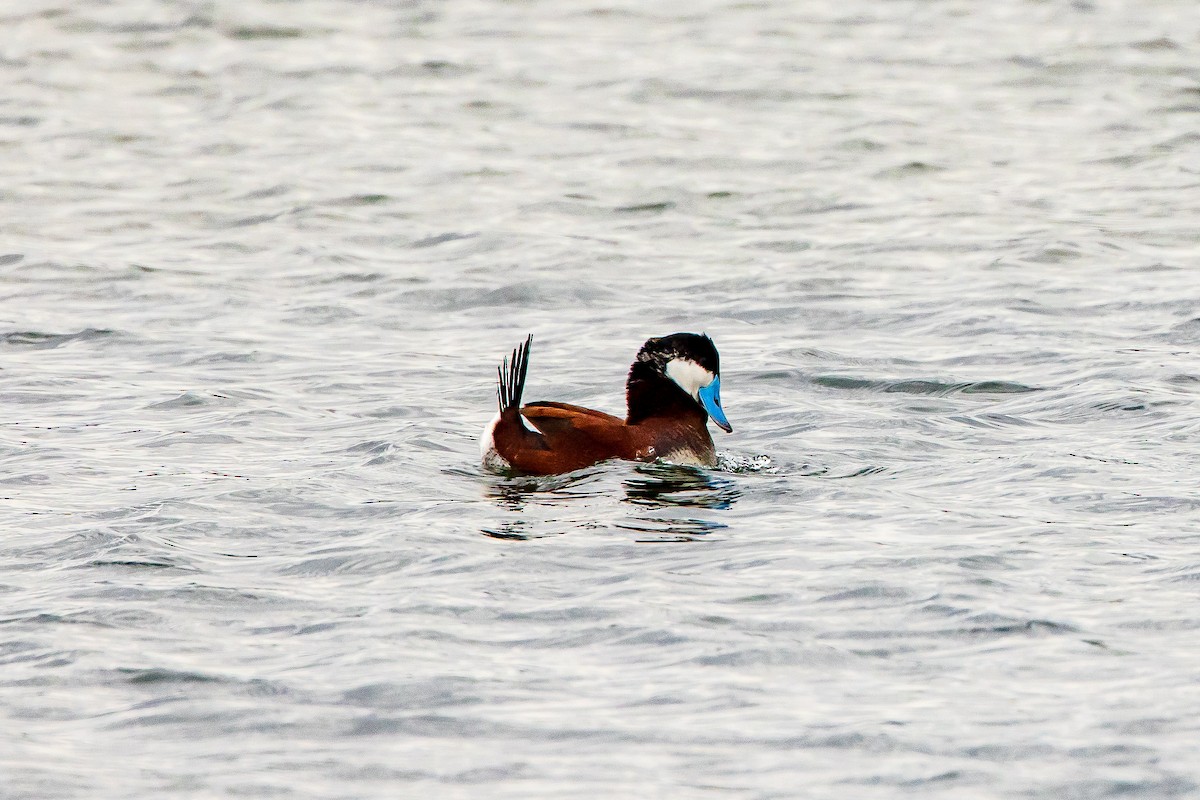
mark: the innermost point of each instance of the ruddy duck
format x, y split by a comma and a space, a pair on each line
674, 386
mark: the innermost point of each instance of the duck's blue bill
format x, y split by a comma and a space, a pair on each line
710, 398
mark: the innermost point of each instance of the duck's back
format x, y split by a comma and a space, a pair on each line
571, 437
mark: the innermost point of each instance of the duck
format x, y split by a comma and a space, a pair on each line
673, 390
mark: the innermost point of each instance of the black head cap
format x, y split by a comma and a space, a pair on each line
696, 347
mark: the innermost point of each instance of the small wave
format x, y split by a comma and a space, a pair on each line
669, 531
189, 400
138, 563
923, 387
162, 675
36, 340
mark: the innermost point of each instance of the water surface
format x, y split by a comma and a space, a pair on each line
259, 263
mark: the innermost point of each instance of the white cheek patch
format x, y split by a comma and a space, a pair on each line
690, 376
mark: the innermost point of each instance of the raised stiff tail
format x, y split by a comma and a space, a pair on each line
512, 376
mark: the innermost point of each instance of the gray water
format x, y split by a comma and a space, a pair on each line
259, 261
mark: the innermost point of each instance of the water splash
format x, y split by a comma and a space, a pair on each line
741, 464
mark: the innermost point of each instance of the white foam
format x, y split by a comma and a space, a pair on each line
729, 462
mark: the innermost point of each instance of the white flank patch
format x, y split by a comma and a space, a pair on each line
487, 443
690, 376
487, 447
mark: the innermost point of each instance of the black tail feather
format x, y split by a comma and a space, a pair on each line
512, 376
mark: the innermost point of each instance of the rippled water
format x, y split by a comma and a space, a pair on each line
260, 259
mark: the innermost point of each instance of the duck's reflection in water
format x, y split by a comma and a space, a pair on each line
519, 495
672, 488
661, 492
669, 485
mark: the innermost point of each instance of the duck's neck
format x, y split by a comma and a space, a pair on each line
648, 393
